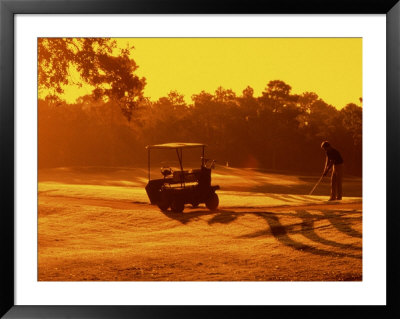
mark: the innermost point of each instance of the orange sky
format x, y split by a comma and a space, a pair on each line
330, 67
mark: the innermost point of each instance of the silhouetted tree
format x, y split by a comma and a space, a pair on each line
277, 130
109, 71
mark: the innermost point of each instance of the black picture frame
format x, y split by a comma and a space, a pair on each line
8, 9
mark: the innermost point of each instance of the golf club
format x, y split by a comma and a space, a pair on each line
315, 186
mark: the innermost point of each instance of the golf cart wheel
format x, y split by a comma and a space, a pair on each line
212, 202
163, 203
177, 206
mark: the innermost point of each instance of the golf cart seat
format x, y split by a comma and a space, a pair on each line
184, 177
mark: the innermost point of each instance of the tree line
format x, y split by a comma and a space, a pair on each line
277, 130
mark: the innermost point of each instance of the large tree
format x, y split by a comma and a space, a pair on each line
99, 64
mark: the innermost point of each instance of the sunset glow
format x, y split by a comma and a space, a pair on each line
200, 159
330, 67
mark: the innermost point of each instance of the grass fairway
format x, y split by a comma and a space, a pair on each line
96, 224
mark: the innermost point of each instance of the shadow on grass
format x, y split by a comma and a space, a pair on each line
281, 233
185, 218
340, 220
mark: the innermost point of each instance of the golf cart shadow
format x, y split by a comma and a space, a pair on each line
187, 217
219, 216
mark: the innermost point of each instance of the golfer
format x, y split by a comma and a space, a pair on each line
334, 161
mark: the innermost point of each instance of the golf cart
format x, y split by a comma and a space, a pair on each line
179, 187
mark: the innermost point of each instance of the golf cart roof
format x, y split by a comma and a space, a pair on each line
175, 145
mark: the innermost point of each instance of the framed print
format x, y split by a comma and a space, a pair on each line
277, 155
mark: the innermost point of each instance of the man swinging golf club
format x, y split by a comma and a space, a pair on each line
334, 161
